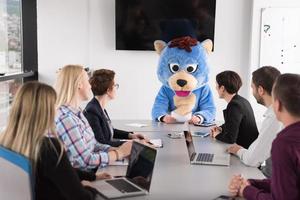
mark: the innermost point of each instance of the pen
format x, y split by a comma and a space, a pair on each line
118, 176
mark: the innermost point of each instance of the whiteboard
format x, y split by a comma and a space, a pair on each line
280, 39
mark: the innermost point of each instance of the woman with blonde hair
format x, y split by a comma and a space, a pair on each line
73, 129
31, 119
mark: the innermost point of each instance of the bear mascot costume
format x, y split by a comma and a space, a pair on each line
183, 72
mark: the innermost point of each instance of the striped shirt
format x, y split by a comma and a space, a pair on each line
74, 131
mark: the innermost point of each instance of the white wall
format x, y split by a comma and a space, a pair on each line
136, 70
80, 31
63, 35
255, 32
255, 38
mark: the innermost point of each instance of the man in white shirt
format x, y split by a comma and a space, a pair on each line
259, 151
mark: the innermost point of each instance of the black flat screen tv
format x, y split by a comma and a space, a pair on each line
138, 21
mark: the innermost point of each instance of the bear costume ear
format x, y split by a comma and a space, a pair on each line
208, 45
159, 45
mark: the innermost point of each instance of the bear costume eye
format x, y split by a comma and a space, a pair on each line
192, 68
174, 67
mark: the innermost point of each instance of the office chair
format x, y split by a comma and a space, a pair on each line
16, 180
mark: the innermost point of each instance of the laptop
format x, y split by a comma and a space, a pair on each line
138, 176
205, 158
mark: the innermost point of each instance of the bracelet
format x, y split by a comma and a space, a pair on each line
129, 135
117, 154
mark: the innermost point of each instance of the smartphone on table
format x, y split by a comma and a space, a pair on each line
206, 124
175, 135
200, 134
223, 197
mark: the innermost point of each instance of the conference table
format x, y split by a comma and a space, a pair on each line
174, 177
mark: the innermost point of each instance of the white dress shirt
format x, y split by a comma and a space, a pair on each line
260, 149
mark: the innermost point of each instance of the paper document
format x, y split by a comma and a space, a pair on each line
157, 143
136, 125
119, 162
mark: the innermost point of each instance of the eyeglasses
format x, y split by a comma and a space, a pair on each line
116, 86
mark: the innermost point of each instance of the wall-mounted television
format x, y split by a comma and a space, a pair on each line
138, 21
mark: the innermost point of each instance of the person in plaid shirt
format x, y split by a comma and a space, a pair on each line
73, 129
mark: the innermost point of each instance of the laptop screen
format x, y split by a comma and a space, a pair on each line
141, 165
189, 144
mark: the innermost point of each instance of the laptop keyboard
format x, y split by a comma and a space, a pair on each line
123, 186
205, 157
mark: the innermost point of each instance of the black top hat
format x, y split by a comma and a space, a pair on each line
176, 28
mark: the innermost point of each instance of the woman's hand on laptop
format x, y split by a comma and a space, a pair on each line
147, 143
86, 183
138, 136
124, 150
215, 131
102, 176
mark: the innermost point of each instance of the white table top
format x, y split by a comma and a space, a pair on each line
150, 126
153, 126
175, 178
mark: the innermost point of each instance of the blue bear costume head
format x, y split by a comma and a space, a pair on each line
190, 63
183, 69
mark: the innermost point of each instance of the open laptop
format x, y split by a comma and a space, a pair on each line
205, 158
138, 176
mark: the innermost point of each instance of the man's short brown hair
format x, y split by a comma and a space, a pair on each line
287, 90
231, 81
101, 81
265, 77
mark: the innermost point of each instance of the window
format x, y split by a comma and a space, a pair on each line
10, 37
18, 49
8, 90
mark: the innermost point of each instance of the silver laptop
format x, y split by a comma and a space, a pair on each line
205, 158
138, 176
